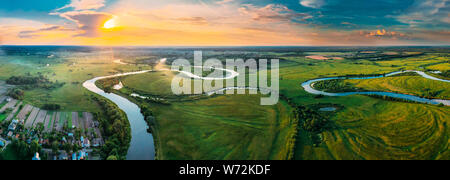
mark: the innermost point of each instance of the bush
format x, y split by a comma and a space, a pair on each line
17, 94
446, 74
311, 120
335, 85
51, 107
30, 82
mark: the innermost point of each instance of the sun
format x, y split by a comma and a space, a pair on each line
110, 24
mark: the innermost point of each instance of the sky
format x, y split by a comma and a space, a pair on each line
225, 22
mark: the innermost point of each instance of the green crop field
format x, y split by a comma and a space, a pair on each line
3, 117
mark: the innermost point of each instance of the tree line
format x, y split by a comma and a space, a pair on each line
335, 86
116, 130
31, 82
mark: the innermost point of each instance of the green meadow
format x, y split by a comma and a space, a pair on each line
366, 127
414, 85
369, 128
223, 127
216, 127
237, 127
72, 71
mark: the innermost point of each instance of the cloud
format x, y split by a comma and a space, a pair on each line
84, 5
193, 20
426, 13
88, 22
349, 25
224, 1
35, 33
226, 22
83, 14
272, 13
434, 36
316, 4
382, 33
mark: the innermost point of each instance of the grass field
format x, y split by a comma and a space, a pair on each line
156, 83
63, 118
50, 124
220, 127
3, 103
223, 127
3, 117
209, 128
440, 67
72, 70
237, 127
371, 128
376, 129
415, 85
69, 119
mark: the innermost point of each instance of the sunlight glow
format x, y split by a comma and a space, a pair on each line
110, 24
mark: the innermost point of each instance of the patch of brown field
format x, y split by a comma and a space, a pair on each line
368, 52
390, 53
317, 57
412, 53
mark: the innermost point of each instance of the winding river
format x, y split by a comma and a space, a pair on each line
142, 143
308, 86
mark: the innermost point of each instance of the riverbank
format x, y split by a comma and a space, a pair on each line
308, 86
142, 142
141, 145
213, 135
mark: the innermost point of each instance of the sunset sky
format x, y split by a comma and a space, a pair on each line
225, 22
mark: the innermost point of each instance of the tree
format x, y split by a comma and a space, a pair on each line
55, 147
52, 107
68, 148
76, 148
35, 147
111, 158
17, 93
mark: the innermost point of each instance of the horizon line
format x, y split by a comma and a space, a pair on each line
232, 46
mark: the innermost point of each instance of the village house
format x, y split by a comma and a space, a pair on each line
13, 125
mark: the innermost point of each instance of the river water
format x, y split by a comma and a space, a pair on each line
142, 144
308, 87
